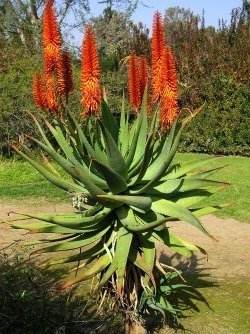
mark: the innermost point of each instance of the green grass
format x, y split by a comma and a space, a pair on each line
226, 311
19, 183
237, 173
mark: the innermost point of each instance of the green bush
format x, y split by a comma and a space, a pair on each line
223, 125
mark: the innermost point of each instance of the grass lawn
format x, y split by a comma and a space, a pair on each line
237, 173
19, 183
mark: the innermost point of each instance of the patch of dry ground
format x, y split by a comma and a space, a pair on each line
227, 257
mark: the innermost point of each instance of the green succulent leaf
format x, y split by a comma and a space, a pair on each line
77, 222
92, 252
81, 139
174, 242
139, 222
80, 241
114, 156
149, 251
119, 261
190, 198
89, 272
68, 166
143, 164
43, 227
180, 169
123, 244
115, 181
177, 211
83, 177
138, 203
50, 176
141, 138
181, 185
139, 261
199, 212
124, 129
109, 121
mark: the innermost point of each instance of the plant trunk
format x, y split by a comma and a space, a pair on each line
133, 327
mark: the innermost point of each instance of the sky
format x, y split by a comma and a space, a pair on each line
214, 9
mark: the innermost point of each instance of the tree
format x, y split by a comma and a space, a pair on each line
126, 6
20, 19
117, 36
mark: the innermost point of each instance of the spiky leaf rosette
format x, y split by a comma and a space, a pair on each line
126, 175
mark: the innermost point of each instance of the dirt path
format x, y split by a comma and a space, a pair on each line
229, 257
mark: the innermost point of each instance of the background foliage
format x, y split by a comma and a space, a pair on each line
213, 70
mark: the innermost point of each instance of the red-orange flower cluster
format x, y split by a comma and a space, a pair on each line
57, 79
51, 39
52, 100
164, 80
143, 73
134, 83
39, 92
138, 79
168, 107
90, 74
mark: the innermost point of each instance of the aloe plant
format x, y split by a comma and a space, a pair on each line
126, 187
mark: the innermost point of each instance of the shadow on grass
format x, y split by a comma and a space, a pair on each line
196, 277
30, 303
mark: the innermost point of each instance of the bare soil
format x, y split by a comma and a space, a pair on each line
227, 257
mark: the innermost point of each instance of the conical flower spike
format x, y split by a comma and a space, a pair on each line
51, 39
159, 65
164, 81
39, 93
169, 107
90, 74
134, 83
172, 78
51, 94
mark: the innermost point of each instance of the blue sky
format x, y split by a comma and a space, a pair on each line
214, 9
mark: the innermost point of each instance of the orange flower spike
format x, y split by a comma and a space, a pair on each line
51, 94
169, 96
172, 77
90, 74
134, 83
169, 107
64, 74
159, 57
39, 93
51, 38
51, 33
158, 41
143, 74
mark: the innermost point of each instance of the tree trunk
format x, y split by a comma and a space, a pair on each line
132, 327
